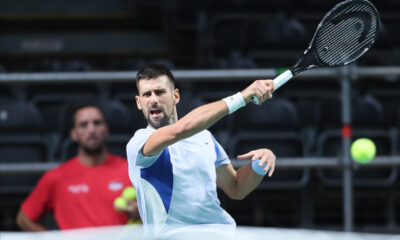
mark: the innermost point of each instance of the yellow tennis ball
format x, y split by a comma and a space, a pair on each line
130, 221
129, 193
120, 203
363, 150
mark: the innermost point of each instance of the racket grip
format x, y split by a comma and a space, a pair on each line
282, 79
278, 82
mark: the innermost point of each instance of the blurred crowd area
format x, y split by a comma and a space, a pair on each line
123, 35
304, 119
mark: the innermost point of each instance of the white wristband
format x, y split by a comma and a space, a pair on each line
234, 102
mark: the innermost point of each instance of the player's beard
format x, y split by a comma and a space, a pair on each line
163, 122
93, 150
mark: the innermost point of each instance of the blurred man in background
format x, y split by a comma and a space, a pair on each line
81, 191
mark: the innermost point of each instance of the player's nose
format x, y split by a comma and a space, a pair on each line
91, 127
154, 99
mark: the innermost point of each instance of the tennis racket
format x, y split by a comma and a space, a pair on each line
345, 33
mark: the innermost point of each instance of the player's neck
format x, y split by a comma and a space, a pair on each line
92, 159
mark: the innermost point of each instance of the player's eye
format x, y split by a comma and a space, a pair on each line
97, 122
159, 92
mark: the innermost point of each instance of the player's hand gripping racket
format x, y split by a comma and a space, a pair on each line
345, 33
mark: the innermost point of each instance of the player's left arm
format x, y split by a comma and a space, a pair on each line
237, 184
132, 210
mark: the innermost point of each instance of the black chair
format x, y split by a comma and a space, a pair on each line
22, 138
126, 64
118, 117
54, 65
21, 141
368, 121
397, 133
53, 99
128, 100
122, 124
367, 112
273, 125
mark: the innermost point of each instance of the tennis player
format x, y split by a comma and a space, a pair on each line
176, 164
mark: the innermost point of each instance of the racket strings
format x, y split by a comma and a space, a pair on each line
337, 40
345, 45
348, 34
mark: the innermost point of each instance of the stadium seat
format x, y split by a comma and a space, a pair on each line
49, 65
21, 141
126, 64
76, 66
120, 120
330, 145
22, 138
52, 99
397, 132
367, 112
368, 121
127, 98
273, 125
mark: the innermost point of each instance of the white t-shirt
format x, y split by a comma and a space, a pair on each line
178, 185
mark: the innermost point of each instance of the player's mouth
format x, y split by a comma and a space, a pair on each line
92, 141
155, 112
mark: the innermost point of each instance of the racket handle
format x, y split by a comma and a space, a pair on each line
278, 82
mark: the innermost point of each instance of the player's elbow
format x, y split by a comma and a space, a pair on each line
26, 224
236, 194
20, 220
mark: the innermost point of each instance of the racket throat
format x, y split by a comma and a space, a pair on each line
308, 61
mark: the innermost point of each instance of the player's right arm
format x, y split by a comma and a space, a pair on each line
201, 118
37, 203
26, 224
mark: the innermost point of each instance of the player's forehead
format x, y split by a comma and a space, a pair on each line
161, 82
86, 114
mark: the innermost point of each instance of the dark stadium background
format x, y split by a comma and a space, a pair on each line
304, 119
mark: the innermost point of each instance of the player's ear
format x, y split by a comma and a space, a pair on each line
139, 106
73, 134
107, 129
177, 96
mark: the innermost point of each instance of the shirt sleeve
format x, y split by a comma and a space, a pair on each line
134, 149
41, 198
222, 157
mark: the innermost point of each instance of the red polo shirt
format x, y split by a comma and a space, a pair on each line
80, 195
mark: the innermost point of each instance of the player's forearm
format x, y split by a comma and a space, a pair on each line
202, 118
28, 225
246, 181
195, 121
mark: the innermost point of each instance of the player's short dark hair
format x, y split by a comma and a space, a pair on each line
154, 70
74, 108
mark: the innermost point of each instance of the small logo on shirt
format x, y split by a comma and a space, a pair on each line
115, 186
80, 188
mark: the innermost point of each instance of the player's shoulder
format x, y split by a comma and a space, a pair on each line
70, 163
139, 135
205, 134
55, 173
116, 159
143, 132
